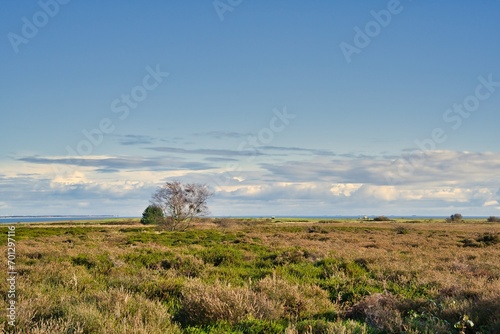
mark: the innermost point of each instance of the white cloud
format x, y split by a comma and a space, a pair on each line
344, 189
384, 193
70, 178
440, 181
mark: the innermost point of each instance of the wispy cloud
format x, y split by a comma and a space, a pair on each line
281, 151
298, 150
220, 159
136, 140
208, 152
446, 167
223, 134
121, 163
141, 140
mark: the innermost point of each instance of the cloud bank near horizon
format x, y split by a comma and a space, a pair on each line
439, 182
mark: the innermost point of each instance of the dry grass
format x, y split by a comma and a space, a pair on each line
269, 277
204, 304
297, 301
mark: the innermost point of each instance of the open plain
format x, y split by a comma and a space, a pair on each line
257, 276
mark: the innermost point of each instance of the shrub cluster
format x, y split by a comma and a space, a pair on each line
153, 214
456, 217
267, 299
381, 219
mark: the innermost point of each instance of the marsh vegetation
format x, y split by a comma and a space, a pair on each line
257, 276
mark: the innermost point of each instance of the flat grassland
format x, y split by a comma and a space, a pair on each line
255, 276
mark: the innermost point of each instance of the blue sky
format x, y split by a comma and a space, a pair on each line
283, 107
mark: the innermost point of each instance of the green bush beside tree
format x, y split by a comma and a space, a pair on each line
153, 214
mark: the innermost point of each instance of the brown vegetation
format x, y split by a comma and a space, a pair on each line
248, 276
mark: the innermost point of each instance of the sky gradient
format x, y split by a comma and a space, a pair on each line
282, 108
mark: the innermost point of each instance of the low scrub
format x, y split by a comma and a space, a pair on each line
327, 327
273, 278
381, 311
268, 299
455, 218
487, 239
298, 301
381, 219
204, 304
402, 230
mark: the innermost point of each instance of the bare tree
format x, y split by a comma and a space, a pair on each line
181, 203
